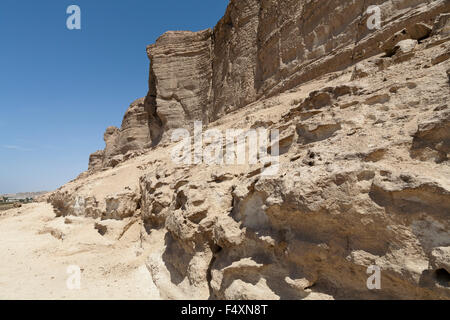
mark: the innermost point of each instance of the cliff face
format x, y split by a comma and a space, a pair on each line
132, 137
260, 48
364, 173
180, 77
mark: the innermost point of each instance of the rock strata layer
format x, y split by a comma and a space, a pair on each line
132, 138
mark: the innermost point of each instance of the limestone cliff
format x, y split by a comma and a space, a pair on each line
364, 175
257, 50
132, 137
261, 48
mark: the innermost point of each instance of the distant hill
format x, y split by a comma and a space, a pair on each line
24, 195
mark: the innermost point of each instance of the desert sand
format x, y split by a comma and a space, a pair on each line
37, 249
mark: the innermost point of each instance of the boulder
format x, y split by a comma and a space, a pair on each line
390, 45
419, 31
114, 161
405, 46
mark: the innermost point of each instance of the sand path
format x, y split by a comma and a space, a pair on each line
37, 249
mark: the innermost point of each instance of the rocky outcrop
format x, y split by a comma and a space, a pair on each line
363, 181
261, 48
349, 195
116, 206
133, 135
181, 75
432, 139
134, 131
96, 161
441, 25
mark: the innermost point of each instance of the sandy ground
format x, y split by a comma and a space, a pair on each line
38, 248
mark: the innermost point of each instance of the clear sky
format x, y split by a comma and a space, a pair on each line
60, 88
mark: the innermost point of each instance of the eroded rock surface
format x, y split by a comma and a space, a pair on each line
132, 137
262, 48
364, 175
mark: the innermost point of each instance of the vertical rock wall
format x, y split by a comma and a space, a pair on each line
260, 48
263, 47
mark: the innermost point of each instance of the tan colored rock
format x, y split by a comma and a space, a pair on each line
259, 49
363, 177
96, 161
441, 57
134, 131
114, 161
362, 70
133, 135
390, 45
441, 259
378, 99
432, 139
110, 137
180, 78
419, 31
122, 205
442, 25
405, 46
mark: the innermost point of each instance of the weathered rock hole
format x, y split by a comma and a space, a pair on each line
157, 208
149, 225
181, 201
442, 277
198, 217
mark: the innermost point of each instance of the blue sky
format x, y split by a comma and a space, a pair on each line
60, 88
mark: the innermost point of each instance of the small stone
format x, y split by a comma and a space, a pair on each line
405, 46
